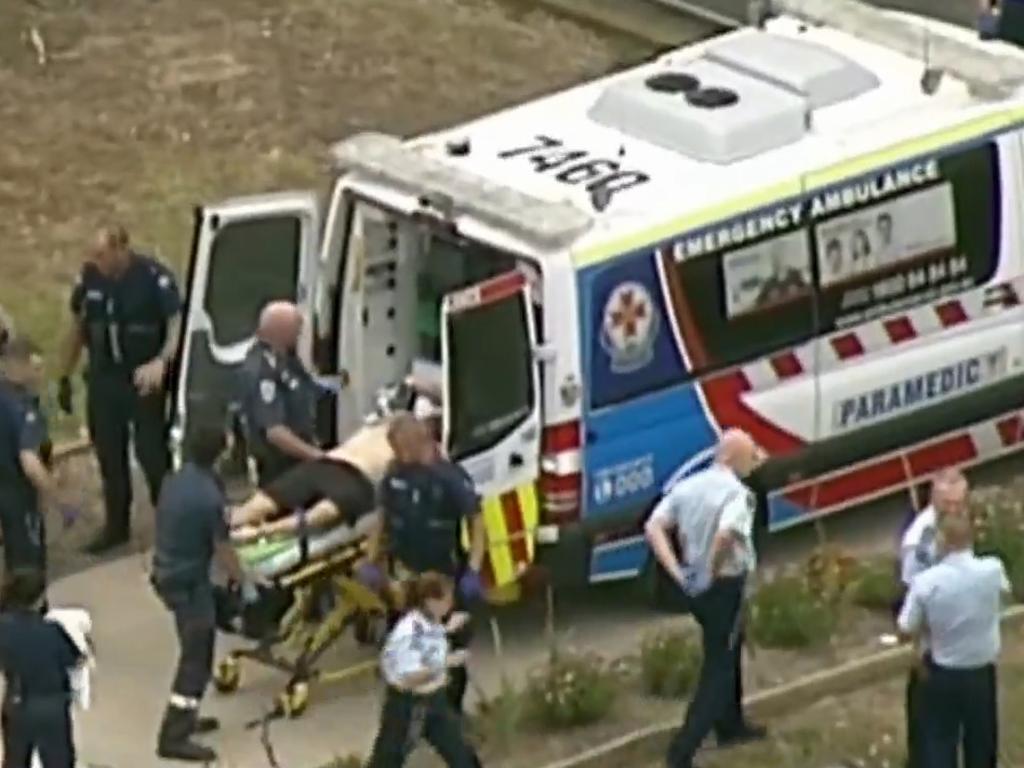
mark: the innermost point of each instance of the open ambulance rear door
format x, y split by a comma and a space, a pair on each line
246, 251
492, 414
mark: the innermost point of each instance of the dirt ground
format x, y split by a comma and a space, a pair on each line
136, 110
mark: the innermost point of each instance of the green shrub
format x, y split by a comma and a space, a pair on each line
787, 613
828, 573
669, 663
999, 530
875, 585
572, 689
497, 719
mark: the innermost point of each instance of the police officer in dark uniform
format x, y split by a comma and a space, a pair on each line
36, 657
126, 313
25, 479
278, 395
191, 530
425, 499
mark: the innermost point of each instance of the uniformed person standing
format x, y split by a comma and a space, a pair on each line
712, 514
192, 529
278, 395
125, 310
415, 663
425, 499
26, 483
958, 603
36, 658
919, 551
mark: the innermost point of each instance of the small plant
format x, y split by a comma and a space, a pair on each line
572, 689
876, 585
788, 613
999, 530
829, 572
669, 663
498, 718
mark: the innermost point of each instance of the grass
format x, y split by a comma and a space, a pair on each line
228, 98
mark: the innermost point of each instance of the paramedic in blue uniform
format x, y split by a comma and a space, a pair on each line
919, 551
278, 395
192, 530
425, 499
416, 662
712, 515
125, 311
36, 659
958, 603
26, 483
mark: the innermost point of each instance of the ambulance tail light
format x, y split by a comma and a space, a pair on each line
561, 474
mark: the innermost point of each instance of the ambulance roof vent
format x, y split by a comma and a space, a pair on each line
704, 110
806, 68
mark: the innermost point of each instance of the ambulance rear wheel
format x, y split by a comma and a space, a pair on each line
227, 676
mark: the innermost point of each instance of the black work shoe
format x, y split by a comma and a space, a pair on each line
106, 542
175, 740
205, 725
745, 735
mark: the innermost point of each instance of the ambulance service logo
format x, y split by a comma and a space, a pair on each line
629, 327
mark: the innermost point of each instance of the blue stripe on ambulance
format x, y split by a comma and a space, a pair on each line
635, 442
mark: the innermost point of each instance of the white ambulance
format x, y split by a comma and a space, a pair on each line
810, 231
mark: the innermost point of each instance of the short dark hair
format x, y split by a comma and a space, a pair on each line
22, 589
204, 445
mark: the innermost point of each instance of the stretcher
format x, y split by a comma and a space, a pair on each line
312, 599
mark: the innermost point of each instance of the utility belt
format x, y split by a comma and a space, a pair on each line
16, 696
932, 666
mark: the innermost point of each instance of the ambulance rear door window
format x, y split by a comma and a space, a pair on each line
907, 236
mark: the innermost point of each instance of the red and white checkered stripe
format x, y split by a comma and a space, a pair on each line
881, 475
886, 332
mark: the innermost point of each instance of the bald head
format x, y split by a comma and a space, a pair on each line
110, 251
957, 532
949, 493
738, 451
410, 439
280, 325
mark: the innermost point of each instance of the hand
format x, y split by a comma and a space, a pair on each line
457, 658
456, 621
149, 377
371, 576
470, 586
64, 395
245, 534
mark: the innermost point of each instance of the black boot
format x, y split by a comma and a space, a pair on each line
175, 741
201, 725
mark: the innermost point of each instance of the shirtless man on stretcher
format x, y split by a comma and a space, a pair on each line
341, 486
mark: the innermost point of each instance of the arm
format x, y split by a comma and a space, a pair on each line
227, 558
375, 539
658, 532
721, 546
39, 476
71, 350
910, 622
286, 441
477, 542
735, 530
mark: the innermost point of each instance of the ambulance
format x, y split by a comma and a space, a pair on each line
809, 228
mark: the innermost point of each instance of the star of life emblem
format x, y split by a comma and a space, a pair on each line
629, 327
268, 390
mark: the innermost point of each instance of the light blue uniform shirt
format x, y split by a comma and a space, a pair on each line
919, 549
958, 602
701, 505
415, 644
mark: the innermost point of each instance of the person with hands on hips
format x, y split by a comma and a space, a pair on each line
424, 500
191, 531
126, 312
712, 515
416, 663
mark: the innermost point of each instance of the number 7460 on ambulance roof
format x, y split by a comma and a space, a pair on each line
810, 234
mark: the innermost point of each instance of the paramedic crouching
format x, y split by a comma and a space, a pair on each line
425, 499
957, 603
191, 529
712, 515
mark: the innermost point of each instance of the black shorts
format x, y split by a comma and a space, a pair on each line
304, 485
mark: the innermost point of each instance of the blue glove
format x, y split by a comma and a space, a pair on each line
470, 586
371, 576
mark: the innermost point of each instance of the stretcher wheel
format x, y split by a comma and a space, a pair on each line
293, 701
227, 676
370, 628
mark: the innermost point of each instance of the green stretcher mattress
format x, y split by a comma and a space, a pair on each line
273, 557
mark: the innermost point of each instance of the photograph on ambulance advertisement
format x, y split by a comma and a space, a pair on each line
887, 235
766, 274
